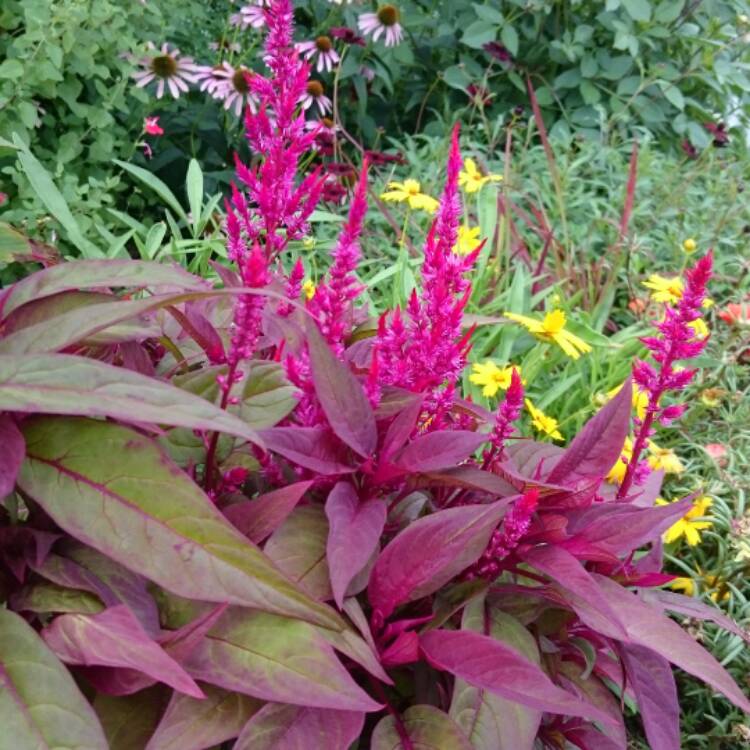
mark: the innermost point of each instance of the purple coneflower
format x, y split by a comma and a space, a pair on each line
250, 16
233, 88
322, 46
386, 19
316, 95
168, 69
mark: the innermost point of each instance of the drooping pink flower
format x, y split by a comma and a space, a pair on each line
250, 16
169, 69
152, 127
347, 35
322, 48
677, 341
384, 21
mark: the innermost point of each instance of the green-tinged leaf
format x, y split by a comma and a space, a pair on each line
638, 10
275, 658
325, 216
118, 492
191, 724
67, 384
46, 597
427, 727
151, 181
12, 243
97, 274
47, 191
509, 37
194, 190
298, 548
130, 720
41, 707
268, 396
492, 722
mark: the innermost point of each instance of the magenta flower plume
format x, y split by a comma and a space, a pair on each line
678, 340
505, 538
332, 303
424, 351
508, 412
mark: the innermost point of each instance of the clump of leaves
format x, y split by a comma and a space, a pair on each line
227, 514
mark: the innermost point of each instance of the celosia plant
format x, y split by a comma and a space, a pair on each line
238, 513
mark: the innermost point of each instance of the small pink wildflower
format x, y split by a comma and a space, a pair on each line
152, 127
384, 21
322, 47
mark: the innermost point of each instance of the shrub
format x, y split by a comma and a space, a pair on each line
192, 474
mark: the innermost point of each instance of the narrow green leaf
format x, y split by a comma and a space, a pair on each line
151, 181
41, 707
194, 189
159, 523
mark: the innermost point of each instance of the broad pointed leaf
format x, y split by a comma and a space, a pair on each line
129, 721
267, 396
11, 455
283, 727
159, 523
41, 707
259, 518
97, 274
298, 549
489, 721
314, 448
648, 627
598, 446
430, 552
190, 724
66, 384
427, 727
275, 659
487, 663
114, 638
341, 395
354, 534
45, 597
402, 426
656, 693
439, 450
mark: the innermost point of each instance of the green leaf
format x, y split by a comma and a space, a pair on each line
45, 188
192, 724
668, 11
673, 94
456, 77
67, 384
12, 243
638, 10
267, 396
478, 33
160, 524
509, 37
194, 189
45, 597
427, 727
130, 720
41, 707
154, 183
11, 69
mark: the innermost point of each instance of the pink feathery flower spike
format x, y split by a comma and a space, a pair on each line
678, 340
508, 412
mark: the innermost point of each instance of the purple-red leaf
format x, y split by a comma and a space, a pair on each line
313, 448
487, 663
283, 727
341, 396
567, 572
259, 518
598, 446
648, 627
439, 450
11, 454
402, 427
656, 693
427, 728
354, 533
114, 638
430, 552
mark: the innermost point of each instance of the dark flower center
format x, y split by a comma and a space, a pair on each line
315, 89
164, 66
239, 81
328, 122
323, 43
388, 15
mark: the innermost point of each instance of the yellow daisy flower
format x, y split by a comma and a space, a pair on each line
543, 423
492, 377
687, 526
468, 240
410, 191
640, 399
664, 289
552, 329
308, 289
617, 472
689, 245
711, 397
664, 459
699, 326
687, 586
471, 179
